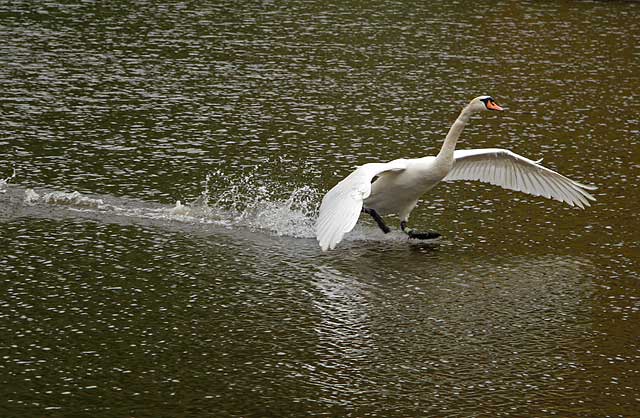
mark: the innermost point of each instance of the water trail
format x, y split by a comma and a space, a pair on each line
230, 201
74, 200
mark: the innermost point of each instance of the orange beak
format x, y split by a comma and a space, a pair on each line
493, 106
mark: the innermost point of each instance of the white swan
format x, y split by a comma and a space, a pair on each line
400, 183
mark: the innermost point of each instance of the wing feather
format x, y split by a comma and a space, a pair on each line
512, 171
341, 206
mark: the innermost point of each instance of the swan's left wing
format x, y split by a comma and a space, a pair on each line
512, 171
341, 206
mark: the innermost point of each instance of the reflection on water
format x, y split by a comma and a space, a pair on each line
158, 256
500, 332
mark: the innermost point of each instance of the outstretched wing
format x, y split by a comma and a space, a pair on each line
512, 171
341, 206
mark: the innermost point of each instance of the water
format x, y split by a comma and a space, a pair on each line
160, 173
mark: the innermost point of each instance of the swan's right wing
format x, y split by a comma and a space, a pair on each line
341, 206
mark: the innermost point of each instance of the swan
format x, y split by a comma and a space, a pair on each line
394, 187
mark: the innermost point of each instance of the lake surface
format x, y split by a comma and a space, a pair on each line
161, 167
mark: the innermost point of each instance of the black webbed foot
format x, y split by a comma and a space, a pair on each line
416, 234
423, 235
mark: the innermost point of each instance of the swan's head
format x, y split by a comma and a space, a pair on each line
481, 103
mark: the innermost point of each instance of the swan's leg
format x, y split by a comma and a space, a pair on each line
417, 235
376, 217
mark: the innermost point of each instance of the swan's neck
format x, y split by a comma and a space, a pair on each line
446, 152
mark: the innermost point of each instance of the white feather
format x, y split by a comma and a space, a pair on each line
520, 174
341, 206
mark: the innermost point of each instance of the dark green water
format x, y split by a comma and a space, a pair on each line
119, 301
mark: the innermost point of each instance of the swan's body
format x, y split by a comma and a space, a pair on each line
400, 183
399, 191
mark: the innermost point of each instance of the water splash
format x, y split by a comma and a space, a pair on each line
5, 182
293, 217
31, 197
249, 200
